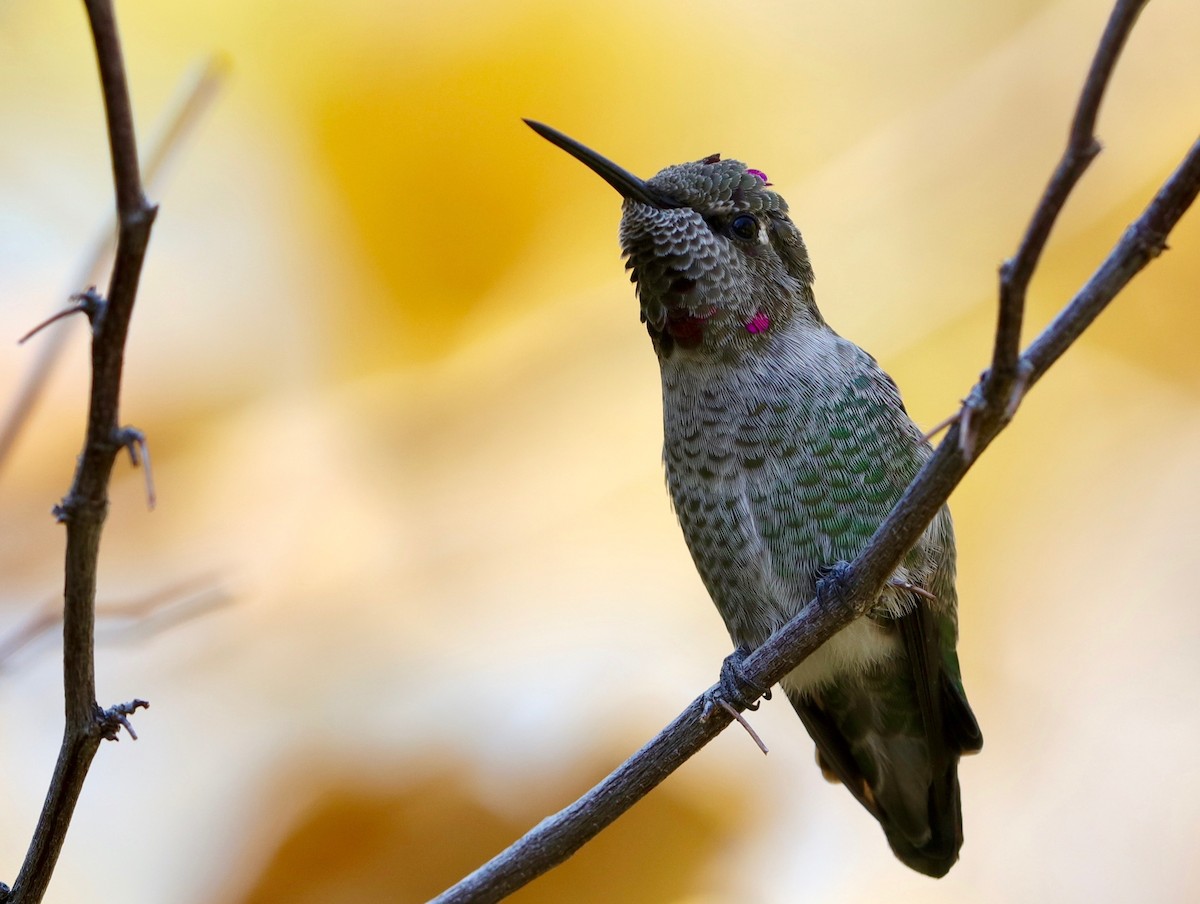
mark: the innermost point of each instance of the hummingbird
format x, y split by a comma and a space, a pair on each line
785, 446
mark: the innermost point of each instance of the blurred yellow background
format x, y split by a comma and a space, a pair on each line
406, 437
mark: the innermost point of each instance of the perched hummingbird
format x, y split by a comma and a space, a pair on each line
785, 447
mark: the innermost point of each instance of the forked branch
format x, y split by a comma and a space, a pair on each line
988, 410
1082, 148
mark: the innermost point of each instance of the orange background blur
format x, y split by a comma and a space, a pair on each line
422, 584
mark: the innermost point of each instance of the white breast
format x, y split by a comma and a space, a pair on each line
855, 648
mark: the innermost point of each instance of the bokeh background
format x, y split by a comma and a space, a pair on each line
413, 582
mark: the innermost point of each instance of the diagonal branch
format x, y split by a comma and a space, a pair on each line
84, 507
841, 600
1143, 241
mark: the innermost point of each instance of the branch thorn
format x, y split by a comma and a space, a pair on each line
740, 719
944, 424
912, 588
113, 719
89, 302
139, 454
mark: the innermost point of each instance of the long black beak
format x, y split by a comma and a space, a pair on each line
629, 185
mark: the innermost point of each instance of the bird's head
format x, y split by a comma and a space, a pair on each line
717, 262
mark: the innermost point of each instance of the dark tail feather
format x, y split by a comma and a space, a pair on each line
961, 735
930, 812
962, 731
940, 852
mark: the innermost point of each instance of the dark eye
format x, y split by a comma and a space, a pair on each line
744, 227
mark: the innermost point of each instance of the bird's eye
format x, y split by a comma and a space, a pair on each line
744, 227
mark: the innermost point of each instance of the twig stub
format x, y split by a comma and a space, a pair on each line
742, 721
113, 719
88, 302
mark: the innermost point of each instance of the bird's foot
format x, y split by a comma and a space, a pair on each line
831, 578
735, 692
734, 687
912, 588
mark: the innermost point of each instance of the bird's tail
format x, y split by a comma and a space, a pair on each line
907, 780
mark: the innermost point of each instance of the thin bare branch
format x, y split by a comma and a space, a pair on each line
1082, 148
943, 424
198, 88
126, 620
1142, 242
84, 507
849, 591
